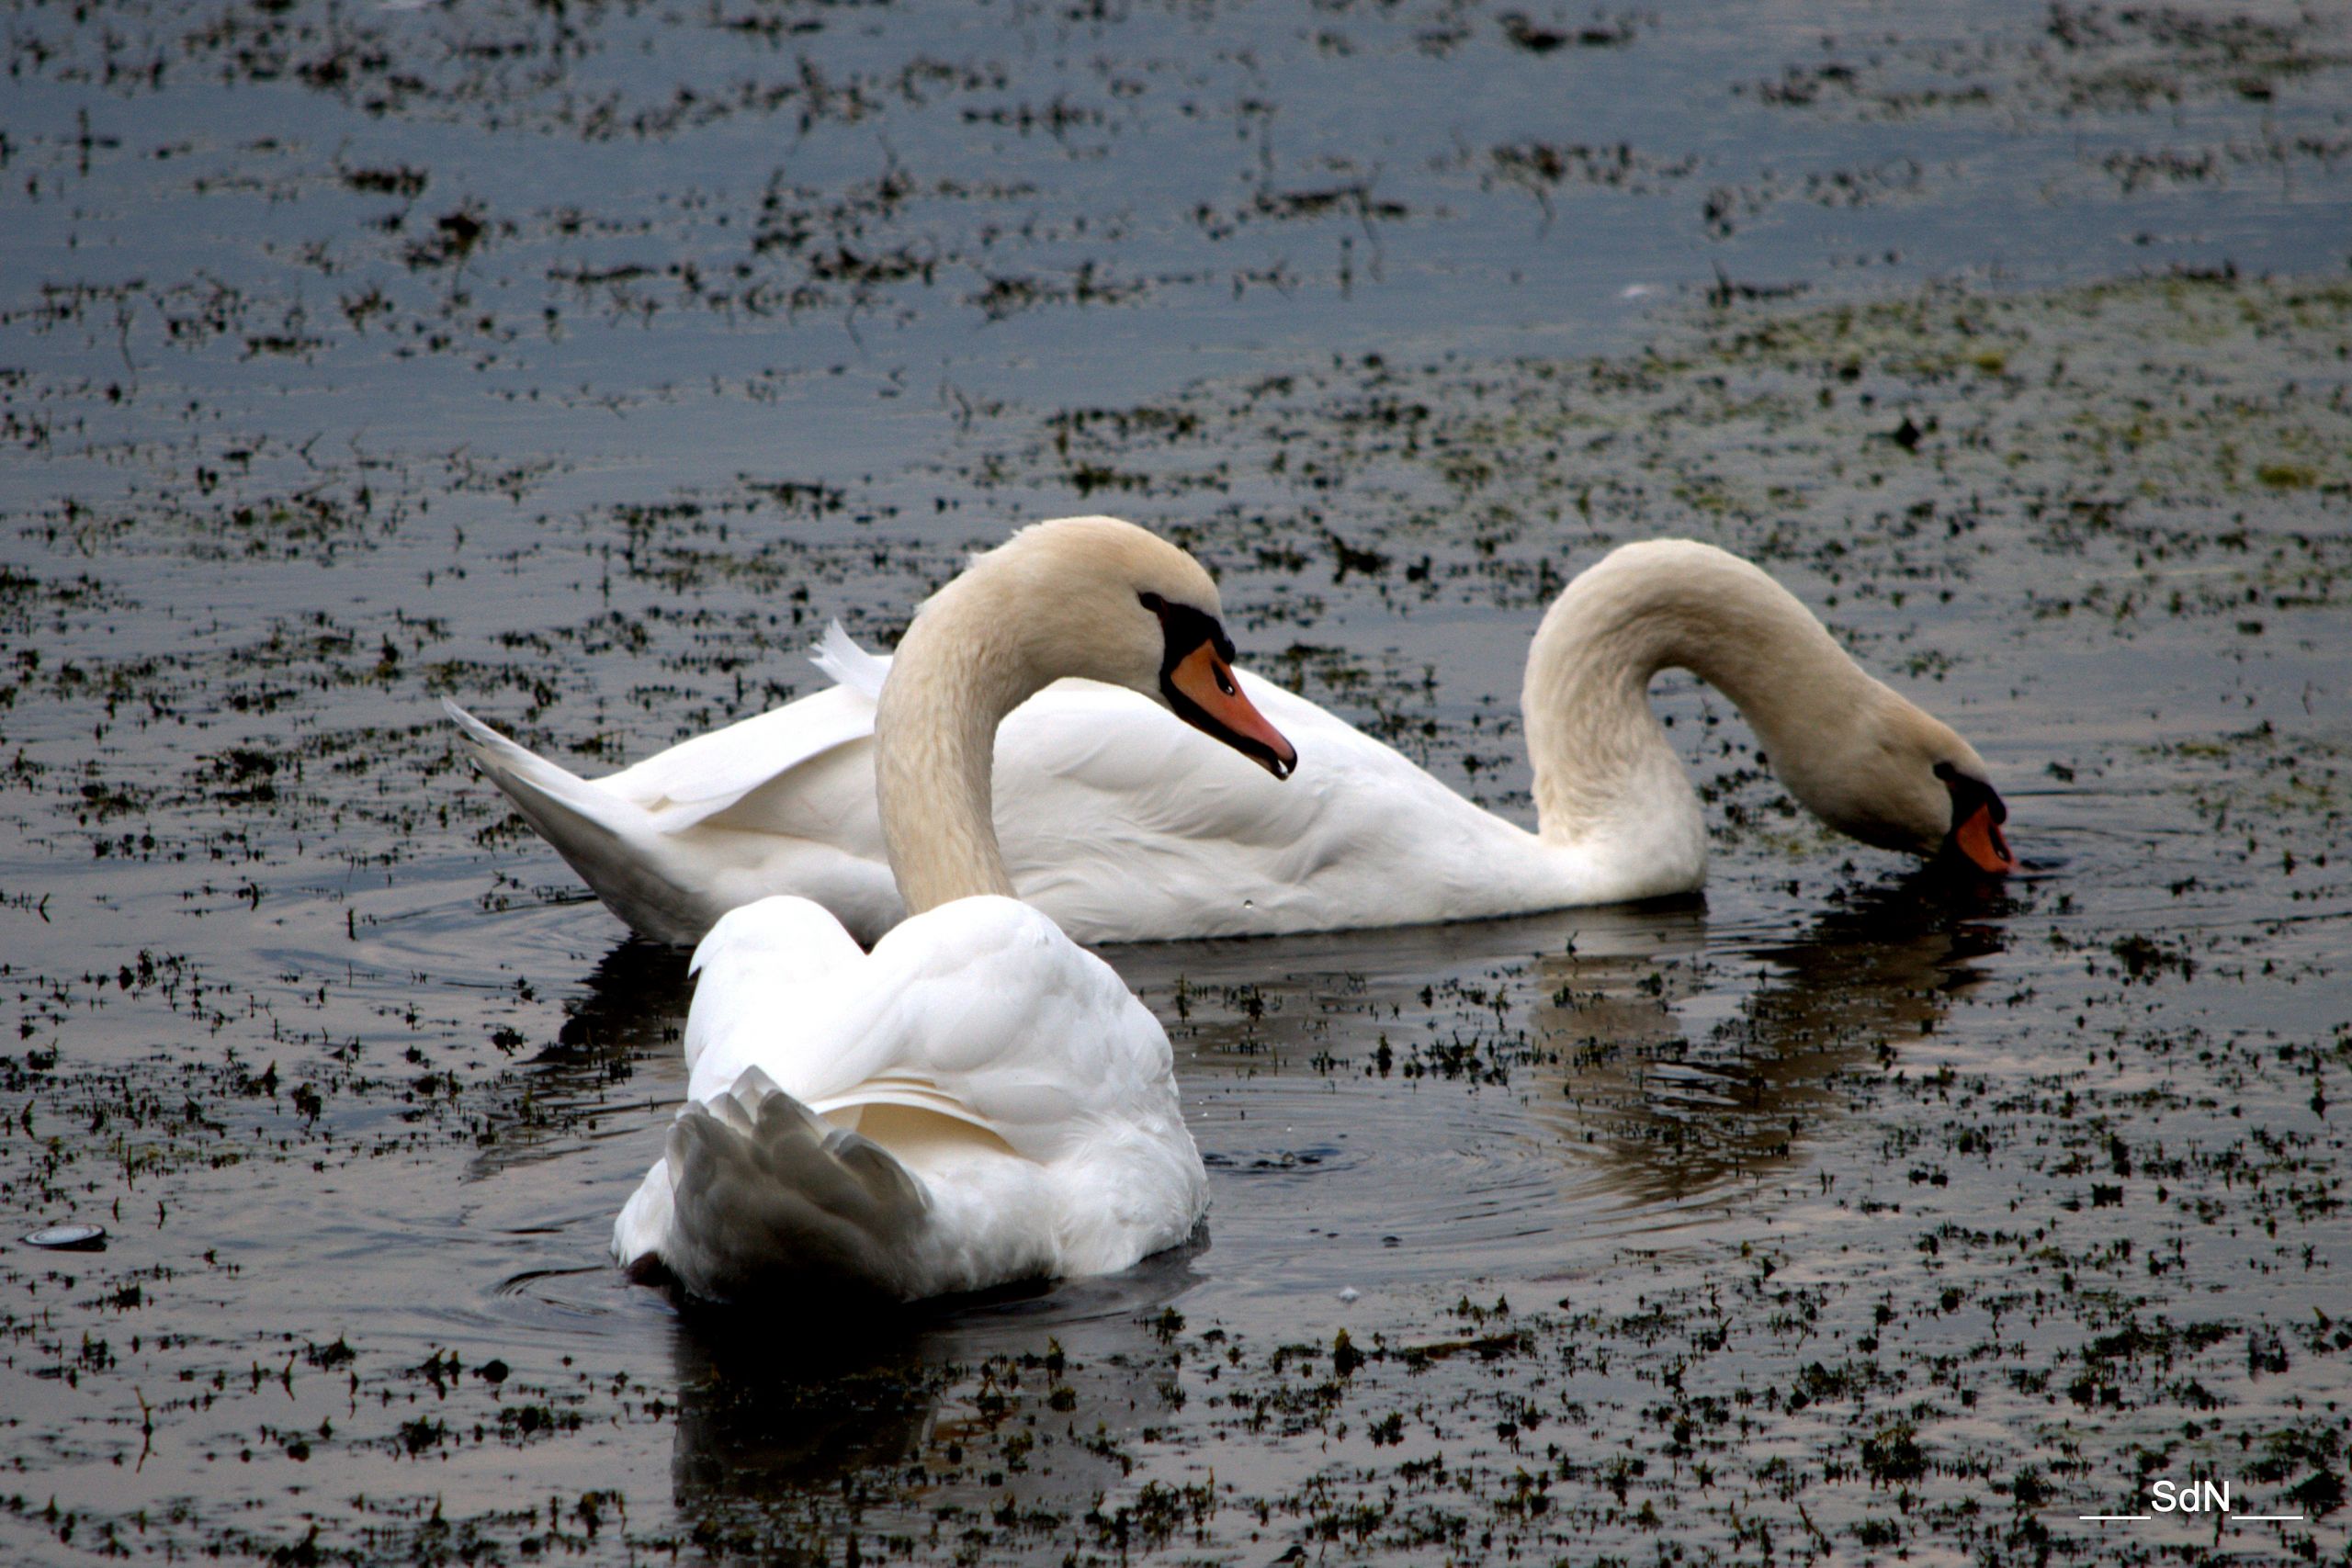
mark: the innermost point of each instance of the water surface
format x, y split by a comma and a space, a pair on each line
580, 361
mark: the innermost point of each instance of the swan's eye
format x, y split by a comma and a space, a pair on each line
1969, 792
1153, 603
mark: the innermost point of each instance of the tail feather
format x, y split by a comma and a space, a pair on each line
611, 842
533, 783
527, 777
839, 656
767, 1196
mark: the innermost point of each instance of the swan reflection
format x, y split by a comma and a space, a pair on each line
1549, 1085
1622, 1061
1642, 1056
977, 1423
1681, 1081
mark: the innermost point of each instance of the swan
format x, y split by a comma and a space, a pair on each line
1123, 827
977, 1100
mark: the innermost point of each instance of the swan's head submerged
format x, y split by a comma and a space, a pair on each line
1918, 786
1106, 601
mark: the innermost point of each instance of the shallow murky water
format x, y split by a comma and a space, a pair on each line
581, 361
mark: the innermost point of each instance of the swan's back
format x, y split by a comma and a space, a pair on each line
1124, 827
977, 1100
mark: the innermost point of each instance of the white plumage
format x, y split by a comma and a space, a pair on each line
1125, 827
979, 1100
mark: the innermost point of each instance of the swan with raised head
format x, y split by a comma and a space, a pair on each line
1125, 828
979, 1100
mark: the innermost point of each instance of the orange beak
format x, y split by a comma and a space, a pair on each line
1979, 839
1205, 695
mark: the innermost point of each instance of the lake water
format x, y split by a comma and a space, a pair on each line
581, 361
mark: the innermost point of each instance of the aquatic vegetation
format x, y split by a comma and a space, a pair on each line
583, 361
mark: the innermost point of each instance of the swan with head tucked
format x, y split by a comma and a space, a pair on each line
1125, 828
979, 1100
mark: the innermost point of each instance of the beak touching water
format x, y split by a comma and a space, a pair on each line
1978, 836
1202, 688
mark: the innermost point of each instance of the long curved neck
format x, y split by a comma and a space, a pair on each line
1601, 760
959, 671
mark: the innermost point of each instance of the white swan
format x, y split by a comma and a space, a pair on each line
1126, 828
979, 1100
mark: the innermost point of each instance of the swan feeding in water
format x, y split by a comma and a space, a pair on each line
1124, 828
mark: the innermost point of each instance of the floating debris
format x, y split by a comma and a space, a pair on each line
69, 1238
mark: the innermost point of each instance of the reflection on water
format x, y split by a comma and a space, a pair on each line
1002, 1414
631, 1015
1633, 1059
1668, 1112
635, 1000
663, 338
1380, 1110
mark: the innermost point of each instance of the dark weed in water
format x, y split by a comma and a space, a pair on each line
1994, 1211
582, 363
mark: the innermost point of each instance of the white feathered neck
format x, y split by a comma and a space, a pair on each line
1603, 767
1059, 599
